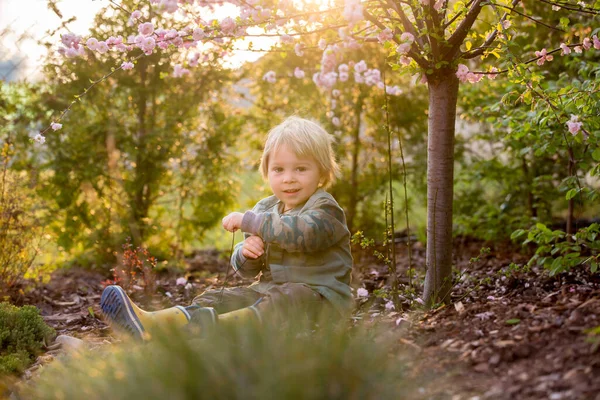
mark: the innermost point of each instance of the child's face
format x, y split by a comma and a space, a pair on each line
292, 179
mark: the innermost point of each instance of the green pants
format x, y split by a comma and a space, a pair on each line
278, 302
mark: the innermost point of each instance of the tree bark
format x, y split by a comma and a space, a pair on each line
356, 145
443, 95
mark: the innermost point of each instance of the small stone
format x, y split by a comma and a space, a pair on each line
70, 343
494, 359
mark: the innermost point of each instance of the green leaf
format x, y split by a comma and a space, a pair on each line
596, 154
571, 193
513, 321
91, 311
517, 233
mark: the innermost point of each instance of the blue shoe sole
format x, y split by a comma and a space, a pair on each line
118, 310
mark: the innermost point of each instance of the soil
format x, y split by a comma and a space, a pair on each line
508, 333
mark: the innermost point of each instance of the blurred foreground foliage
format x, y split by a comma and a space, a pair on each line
293, 361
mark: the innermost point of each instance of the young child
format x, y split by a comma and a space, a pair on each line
296, 243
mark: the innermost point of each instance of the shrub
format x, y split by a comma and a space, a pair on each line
22, 331
249, 363
19, 233
557, 252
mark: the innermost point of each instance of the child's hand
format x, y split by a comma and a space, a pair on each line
233, 221
253, 247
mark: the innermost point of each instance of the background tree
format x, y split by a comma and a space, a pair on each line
434, 38
143, 142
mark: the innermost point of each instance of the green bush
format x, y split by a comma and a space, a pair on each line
250, 363
22, 331
557, 252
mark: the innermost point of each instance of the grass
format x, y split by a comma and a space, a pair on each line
290, 362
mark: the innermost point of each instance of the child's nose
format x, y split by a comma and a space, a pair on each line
289, 177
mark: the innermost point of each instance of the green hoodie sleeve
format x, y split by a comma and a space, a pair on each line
315, 229
246, 267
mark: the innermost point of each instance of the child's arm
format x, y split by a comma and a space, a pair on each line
245, 266
313, 230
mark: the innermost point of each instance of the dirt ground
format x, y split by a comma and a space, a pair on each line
508, 333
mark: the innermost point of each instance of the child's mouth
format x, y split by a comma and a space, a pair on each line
291, 191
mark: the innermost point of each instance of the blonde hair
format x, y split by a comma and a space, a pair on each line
306, 139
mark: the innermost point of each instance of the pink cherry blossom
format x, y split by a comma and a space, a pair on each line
403, 48
393, 90
407, 37
179, 71
325, 80
335, 92
270, 77
596, 42
70, 39
322, 44
404, 60
286, 39
146, 29
298, 73
198, 34
102, 47
360, 66
587, 43
344, 76
574, 125
194, 60
127, 65
136, 14
362, 292
71, 52
55, 126
328, 60
39, 138
578, 49
564, 49
389, 305
462, 72
385, 35
298, 49
92, 43
181, 281
228, 25
336, 121
473, 77
372, 77
506, 24
543, 56
147, 44
493, 75
353, 11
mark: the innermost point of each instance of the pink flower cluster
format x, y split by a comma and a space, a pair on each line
72, 46
407, 40
464, 75
353, 11
574, 125
543, 56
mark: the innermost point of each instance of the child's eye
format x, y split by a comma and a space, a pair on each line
277, 169
301, 169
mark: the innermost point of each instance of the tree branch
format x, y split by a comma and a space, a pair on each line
487, 44
463, 29
527, 16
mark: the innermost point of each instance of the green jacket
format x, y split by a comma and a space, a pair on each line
309, 244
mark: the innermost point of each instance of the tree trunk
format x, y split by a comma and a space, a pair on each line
443, 94
356, 145
571, 212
